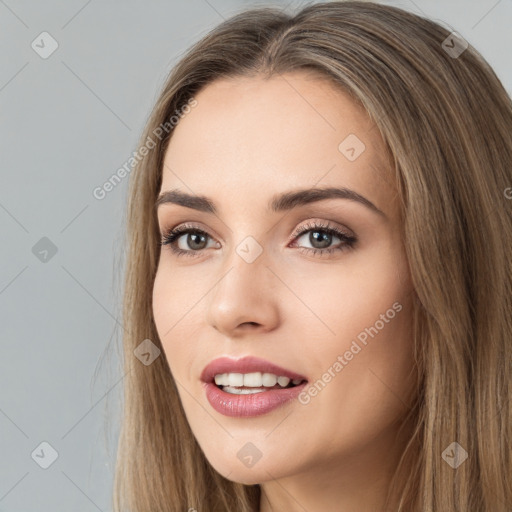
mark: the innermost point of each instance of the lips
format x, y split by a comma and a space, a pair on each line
247, 364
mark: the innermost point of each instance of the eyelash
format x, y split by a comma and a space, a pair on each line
348, 241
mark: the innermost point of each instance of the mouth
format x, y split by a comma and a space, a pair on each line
249, 387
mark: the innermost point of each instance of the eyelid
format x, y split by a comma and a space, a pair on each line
312, 222
317, 223
182, 226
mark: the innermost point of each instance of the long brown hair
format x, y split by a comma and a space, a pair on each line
446, 120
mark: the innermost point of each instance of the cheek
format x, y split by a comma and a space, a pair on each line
374, 372
173, 302
341, 300
357, 333
175, 293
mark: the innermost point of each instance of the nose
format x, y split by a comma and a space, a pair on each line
244, 298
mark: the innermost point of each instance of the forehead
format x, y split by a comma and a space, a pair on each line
250, 137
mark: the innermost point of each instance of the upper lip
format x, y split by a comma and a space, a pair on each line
247, 364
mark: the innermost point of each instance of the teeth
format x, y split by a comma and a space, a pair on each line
283, 381
253, 380
269, 380
242, 391
235, 379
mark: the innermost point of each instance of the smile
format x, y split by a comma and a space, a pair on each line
249, 386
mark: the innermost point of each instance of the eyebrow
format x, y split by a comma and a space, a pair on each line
278, 203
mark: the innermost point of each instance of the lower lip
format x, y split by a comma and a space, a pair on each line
253, 404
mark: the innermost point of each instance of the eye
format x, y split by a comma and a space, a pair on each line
195, 238
320, 237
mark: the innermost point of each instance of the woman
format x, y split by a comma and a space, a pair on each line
319, 235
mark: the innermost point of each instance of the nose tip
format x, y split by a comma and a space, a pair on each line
245, 291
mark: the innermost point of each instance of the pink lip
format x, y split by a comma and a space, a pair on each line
244, 365
245, 406
252, 404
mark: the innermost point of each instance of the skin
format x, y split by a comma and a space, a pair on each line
246, 140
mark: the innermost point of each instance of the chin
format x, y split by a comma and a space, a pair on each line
234, 469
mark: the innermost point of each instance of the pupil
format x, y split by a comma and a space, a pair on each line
194, 237
325, 239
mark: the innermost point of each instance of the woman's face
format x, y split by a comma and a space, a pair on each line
331, 307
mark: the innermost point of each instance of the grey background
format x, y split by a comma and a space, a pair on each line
68, 123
